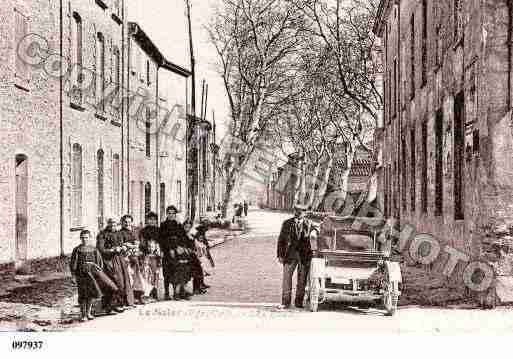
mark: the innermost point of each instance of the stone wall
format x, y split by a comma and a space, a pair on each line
472, 60
29, 120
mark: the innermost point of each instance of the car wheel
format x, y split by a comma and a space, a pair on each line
314, 295
390, 299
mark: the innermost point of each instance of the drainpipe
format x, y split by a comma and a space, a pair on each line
61, 143
157, 133
129, 209
121, 90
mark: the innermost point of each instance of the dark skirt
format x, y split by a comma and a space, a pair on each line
182, 273
117, 270
88, 287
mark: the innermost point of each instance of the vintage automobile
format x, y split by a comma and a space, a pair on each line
351, 264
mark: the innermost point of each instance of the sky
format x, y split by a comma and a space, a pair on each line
165, 22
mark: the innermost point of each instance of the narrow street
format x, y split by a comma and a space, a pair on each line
245, 292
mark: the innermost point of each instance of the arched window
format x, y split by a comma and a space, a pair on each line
101, 70
148, 81
76, 186
21, 197
77, 39
99, 158
77, 56
115, 184
117, 67
147, 198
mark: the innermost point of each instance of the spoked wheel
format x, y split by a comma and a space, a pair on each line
313, 297
390, 298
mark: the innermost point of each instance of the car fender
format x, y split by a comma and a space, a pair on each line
394, 271
317, 268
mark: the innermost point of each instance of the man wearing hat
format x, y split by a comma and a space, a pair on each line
293, 252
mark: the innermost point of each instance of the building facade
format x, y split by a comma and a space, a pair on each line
69, 146
448, 139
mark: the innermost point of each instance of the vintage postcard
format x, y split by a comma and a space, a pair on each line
256, 166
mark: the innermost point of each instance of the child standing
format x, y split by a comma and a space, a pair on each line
151, 260
85, 260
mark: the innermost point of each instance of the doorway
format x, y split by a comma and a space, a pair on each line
21, 198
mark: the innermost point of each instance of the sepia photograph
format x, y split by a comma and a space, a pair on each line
255, 167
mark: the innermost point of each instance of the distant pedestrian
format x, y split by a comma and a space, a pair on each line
294, 251
246, 206
85, 260
169, 232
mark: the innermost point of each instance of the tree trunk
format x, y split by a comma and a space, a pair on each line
313, 184
227, 198
297, 186
345, 180
302, 190
323, 187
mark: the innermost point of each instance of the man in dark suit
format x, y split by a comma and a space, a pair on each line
294, 251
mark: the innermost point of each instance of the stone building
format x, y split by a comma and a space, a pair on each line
286, 176
448, 140
65, 136
156, 157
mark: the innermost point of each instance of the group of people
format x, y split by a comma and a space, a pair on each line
240, 209
123, 267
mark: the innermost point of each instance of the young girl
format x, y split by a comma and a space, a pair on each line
85, 260
151, 259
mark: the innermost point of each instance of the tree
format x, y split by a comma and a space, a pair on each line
345, 29
256, 42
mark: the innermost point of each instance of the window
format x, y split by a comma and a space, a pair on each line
148, 81
148, 133
99, 158
413, 165
101, 70
458, 19
117, 66
147, 198
162, 200
389, 97
115, 184
179, 193
424, 41
386, 193
132, 201
412, 55
403, 172
76, 186
438, 50
21, 205
22, 68
142, 200
396, 100
459, 154
76, 94
424, 173
439, 194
